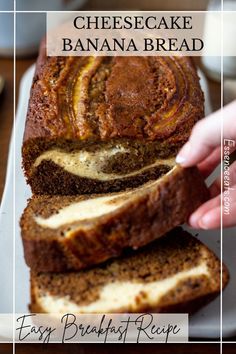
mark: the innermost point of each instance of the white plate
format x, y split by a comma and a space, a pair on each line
204, 324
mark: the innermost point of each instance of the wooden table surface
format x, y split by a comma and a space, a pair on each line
194, 348
6, 116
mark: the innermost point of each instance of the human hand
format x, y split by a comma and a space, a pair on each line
204, 150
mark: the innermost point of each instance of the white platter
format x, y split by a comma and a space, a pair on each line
204, 324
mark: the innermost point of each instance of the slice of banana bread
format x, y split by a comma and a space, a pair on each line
102, 124
74, 232
176, 273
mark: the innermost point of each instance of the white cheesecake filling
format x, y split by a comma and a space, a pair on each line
84, 210
121, 295
95, 207
89, 164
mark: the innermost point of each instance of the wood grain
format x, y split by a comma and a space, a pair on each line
147, 5
193, 348
6, 116
116, 349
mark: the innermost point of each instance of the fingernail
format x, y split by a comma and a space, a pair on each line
180, 159
193, 221
205, 221
183, 155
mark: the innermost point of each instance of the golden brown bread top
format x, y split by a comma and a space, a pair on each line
99, 98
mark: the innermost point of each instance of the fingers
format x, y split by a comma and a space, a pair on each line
202, 217
206, 136
203, 149
208, 215
211, 220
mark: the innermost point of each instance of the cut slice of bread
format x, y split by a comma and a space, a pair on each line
176, 273
73, 232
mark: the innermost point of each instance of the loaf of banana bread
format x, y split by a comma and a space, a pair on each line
102, 124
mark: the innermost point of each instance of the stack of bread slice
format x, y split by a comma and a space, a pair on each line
99, 232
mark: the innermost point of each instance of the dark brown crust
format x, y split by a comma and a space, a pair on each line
187, 296
147, 217
155, 99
